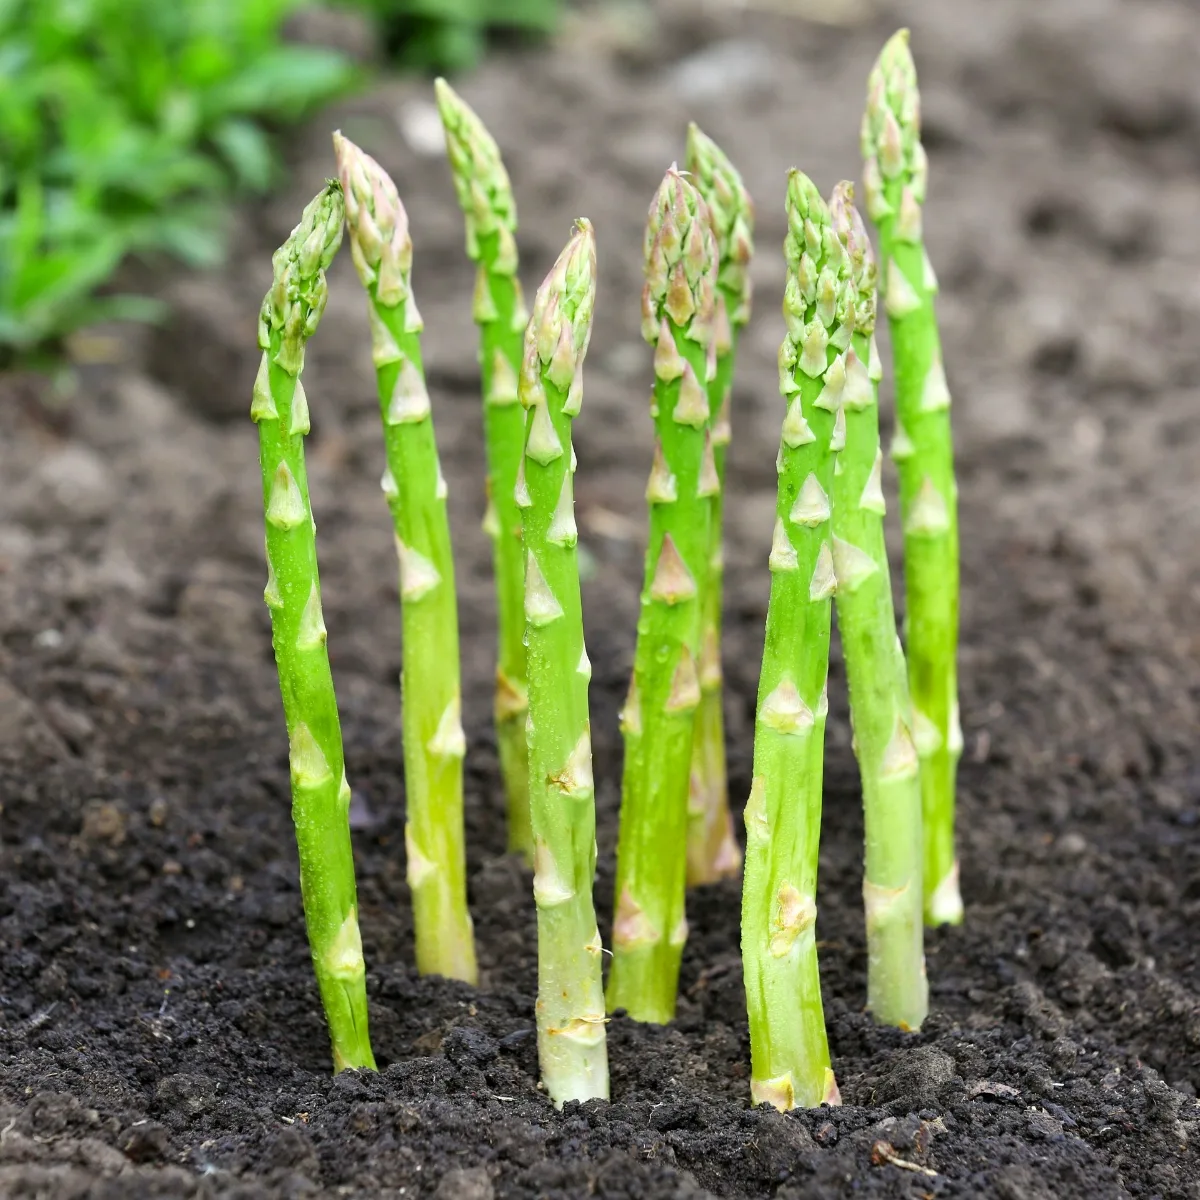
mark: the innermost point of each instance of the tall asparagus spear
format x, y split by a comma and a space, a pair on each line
678, 306
894, 179
788, 1046
486, 198
290, 314
713, 851
416, 494
570, 1006
879, 706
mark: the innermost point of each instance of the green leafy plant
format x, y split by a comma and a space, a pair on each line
448, 35
124, 124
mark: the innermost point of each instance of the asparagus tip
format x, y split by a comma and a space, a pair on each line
480, 180
680, 260
377, 221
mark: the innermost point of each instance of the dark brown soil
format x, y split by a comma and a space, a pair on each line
160, 1033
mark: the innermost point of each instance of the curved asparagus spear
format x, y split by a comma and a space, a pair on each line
713, 852
486, 199
678, 302
788, 1046
894, 178
570, 1006
290, 314
880, 712
416, 494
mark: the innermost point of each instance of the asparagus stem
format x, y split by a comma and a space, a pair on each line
416, 494
788, 1045
894, 179
290, 314
486, 198
678, 308
880, 711
570, 1006
713, 851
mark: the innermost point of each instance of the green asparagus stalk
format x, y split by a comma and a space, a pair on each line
570, 1005
290, 314
875, 668
788, 1045
678, 309
416, 494
894, 178
713, 851
486, 198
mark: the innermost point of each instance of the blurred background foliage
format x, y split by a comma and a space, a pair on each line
448, 35
127, 126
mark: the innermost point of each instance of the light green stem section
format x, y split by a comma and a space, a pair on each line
320, 793
572, 1047
929, 508
924, 453
649, 926
501, 326
433, 737
880, 714
712, 849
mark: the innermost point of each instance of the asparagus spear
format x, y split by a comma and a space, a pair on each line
875, 669
678, 308
416, 494
894, 178
713, 852
290, 314
570, 1006
788, 1045
486, 198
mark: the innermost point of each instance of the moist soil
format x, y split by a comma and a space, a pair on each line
160, 1033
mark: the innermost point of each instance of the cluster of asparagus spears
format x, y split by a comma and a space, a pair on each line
827, 547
